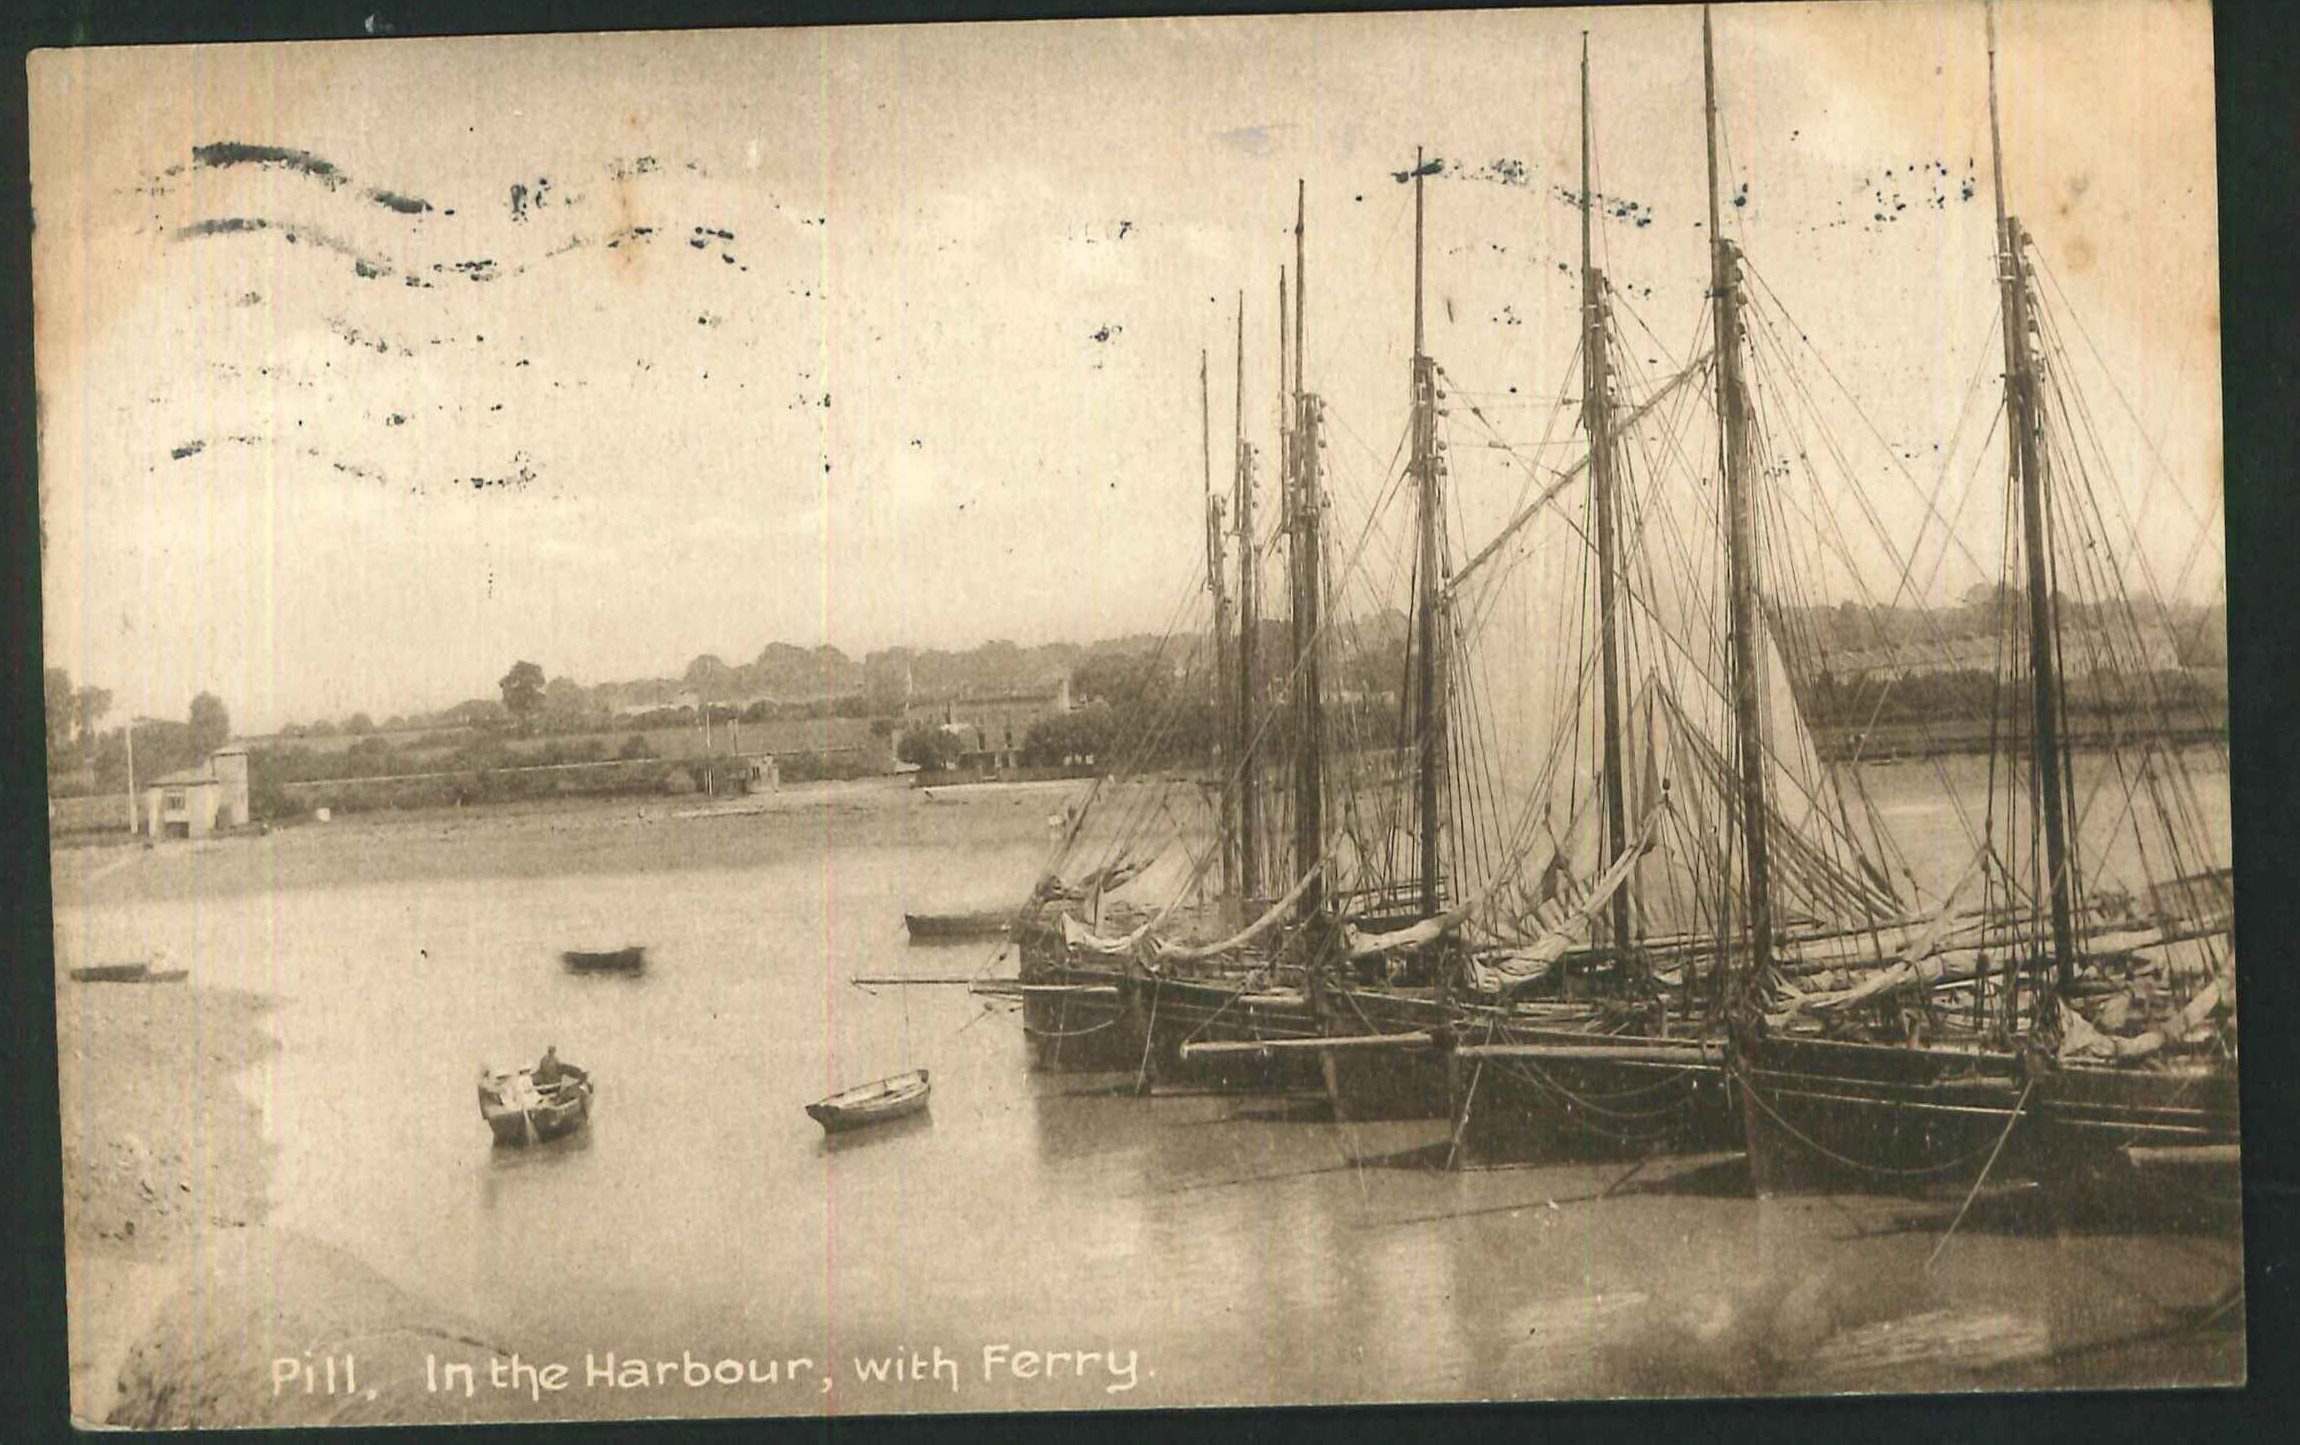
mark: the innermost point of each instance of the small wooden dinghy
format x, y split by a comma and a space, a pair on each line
877, 1103
959, 927
140, 971
623, 960
520, 1111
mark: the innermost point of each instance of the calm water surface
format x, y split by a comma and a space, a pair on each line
1224, 1249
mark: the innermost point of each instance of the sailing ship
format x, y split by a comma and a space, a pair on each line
1384, 1000
1712, 951
1552, 1034
1101, 994
1571, 1005
1846, 1036
2092, 1038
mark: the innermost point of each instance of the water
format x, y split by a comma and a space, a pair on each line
1936, 810
1206, 1250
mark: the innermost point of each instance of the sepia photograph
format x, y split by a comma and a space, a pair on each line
1139, 714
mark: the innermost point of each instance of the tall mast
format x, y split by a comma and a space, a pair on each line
1740, 557
1216, 584
1248, 782
1597, 415
1309, 743
1301, 285
2028, 477
1285, 382
1286, 476
1285, 407
1429, 712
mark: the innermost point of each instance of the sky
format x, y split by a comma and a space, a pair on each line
607, 351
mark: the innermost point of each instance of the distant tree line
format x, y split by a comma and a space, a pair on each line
1150, 698
1158, 707
2198, 631
1971, 694
85, 758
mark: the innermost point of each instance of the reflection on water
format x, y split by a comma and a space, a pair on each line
877, 1136
1248, 1250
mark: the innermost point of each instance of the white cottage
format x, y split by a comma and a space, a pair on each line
198, 801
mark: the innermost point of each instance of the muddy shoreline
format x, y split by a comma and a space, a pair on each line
183, 1297
162, 1153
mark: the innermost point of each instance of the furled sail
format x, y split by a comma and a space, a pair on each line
1277, 913
1518, 964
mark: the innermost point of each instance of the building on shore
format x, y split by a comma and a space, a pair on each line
765, 775
197, 801
992, 729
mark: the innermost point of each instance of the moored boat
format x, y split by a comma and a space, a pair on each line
521, 1111
140, 971
981, 923
632, 959
881, 1101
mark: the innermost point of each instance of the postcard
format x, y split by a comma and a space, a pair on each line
1103, 715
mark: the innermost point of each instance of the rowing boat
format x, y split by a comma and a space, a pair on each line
875, 1103
959, 927
520, 1111
137, 972
621, 960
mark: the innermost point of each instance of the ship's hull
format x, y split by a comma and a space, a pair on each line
1831, 1116
1172, 1012
2136, 1144
2101, 1142
1574, 1101
1074, 1013
1406, 1081
1565, 1105
1096, 1013
1077, 1019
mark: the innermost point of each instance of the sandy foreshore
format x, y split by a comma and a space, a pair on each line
183, 1300
161, 1152
180, 1296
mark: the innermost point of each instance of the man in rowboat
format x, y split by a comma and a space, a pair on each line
550, 1072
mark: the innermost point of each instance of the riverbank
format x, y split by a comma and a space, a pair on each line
1953, 736
161, 1151
581, 836
182, 1296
